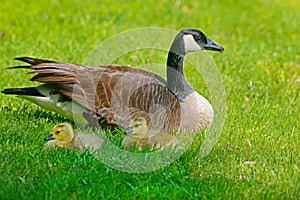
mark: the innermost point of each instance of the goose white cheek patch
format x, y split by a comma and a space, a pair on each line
190, 44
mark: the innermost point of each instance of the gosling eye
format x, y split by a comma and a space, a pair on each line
57, 132
136, 125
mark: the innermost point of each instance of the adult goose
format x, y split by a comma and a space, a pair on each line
113, 95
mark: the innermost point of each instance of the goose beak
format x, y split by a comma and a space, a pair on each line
50, 137
213, 46
128, 130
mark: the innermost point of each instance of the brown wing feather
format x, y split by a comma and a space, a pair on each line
115, 94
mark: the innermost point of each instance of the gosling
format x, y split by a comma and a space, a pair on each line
63, 135
139, 136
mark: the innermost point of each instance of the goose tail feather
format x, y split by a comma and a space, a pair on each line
31, 91
48, 71
33, 61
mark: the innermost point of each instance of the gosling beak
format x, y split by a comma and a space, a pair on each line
50, 137
128, 130
213, 46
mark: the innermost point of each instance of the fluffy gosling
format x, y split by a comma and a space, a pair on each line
139, 136
63, 135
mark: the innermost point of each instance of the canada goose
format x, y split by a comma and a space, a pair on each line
139, 136
63, 135
113, 95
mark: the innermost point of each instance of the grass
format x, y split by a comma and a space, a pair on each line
259, 68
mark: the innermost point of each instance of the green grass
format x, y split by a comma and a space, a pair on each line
261, 40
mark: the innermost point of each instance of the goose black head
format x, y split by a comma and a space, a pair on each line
189, 40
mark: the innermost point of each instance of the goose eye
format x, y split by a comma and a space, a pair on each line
57, 132
197, 37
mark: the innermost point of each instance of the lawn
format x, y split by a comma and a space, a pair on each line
257, 155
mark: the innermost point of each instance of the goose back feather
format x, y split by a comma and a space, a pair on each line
110, 94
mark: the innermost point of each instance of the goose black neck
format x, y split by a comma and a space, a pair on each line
175, 76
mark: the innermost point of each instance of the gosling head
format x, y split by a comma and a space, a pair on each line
189, 40
62, 133
137, 127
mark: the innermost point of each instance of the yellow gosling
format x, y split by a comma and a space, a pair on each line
139, 136
63, 135
136, 134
